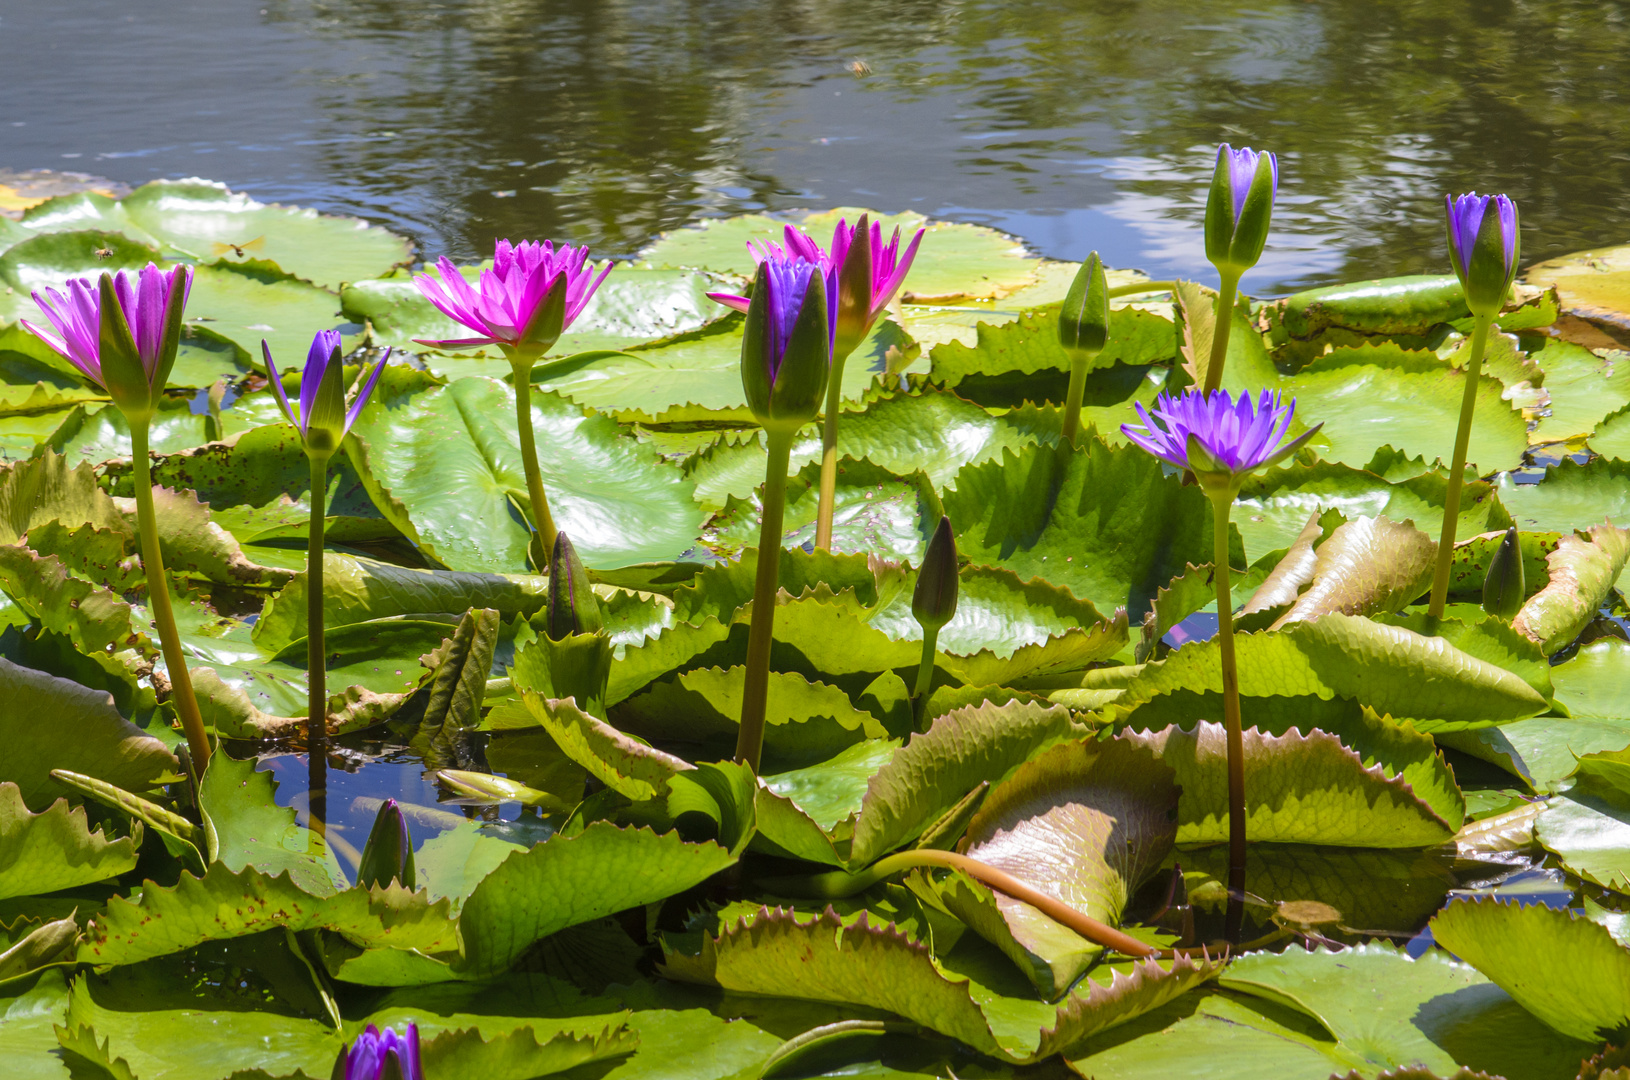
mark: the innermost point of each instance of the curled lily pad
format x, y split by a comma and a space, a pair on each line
1565, 969
1367, 566
1086, 822
1582, 572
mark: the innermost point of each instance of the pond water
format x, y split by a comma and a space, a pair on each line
1075, 125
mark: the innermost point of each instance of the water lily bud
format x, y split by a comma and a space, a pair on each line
320, 412
382, 1055
1083, 323
1240, 207
388, 855
572, 607
1504, 588
1483, 247
933, 602
853, 319
786, 349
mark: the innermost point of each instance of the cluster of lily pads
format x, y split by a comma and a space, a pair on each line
899, 746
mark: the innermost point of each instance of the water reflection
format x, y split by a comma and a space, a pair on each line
1077, 124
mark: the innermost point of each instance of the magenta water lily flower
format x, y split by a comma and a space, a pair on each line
857, 294
1219, 439
383, 1055
314, 414
532, 293
145, 299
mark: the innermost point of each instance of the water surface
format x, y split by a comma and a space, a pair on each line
1077, 125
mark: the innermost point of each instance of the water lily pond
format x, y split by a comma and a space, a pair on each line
529, 828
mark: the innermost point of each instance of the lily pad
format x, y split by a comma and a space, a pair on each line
55, 849
445, 468
1592, 284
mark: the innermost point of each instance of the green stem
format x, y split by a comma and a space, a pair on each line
829, 454
543, 539
837, 885
1221, 325
316, 652
1222, 502
158, 591
1080, 362
1142, 287
1457, 468
925, 670
755, 692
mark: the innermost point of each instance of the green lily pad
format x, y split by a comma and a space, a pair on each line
28, 1017
1584, 389
1085, 822
1582, 573
1029, 344
55, 849
1308, 1016
1596, 681
254, 301
445, 468
246, 827
872, 510
89, 737
48, 261
1571, 496
1080, 519
1371, 396
1367, 566
810, 812
1566, 970
1612, 439
1306, 789
1593, 285
877, 966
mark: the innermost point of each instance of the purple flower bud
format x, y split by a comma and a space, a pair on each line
382, 1055
860, 272
1218, 439
1240, 206
530, 296
147, 326
1483, 247
786, 354
321, 415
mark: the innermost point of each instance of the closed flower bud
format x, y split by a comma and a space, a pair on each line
786, 349
1083, 323
1483, 246
933, 602
1504, 589
1240, 207
572, 607
388, 855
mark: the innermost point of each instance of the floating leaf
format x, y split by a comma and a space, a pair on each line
445, 467
1566, 970
55, 849
1367, 566
1582, 573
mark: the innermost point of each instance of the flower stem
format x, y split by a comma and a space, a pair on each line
833, 886
755, 692
158, 591
1222, 502
1457, 468
1221, 325
543, 539
829, 454
316, 651
925, 670
1080, 362
1137, 287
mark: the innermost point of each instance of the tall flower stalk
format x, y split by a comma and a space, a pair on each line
1222, 442
522, 305
1483, 246
1083, 330
862, 275
1238, 212
122, 333
786, 357
322, 419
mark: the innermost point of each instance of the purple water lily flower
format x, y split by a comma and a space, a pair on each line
1242, 166
1217, 438
786, 282
320, 421
75, 317
856, 309
507, 305
1483, 244
383, 1055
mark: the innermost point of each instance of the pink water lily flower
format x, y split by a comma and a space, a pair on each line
75, 317
506, 307
870, 288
